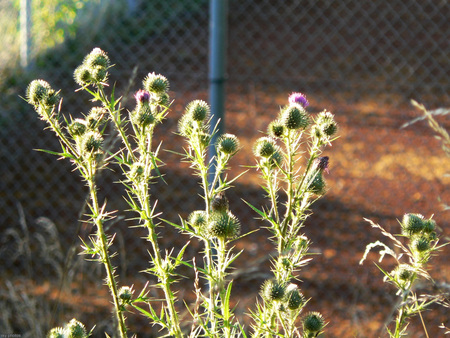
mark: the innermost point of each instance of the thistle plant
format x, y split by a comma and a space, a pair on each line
214, 225
82, 141
277, 154
411, 266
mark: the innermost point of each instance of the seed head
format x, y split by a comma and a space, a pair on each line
265, 147
224, 225
412, 224
429, 226
142, 116
316, 183
198, 110
404, 272
96, 117
313, 322
228, 144
294, 117
75, 329
98, 73
156, 83
275, 160
298, 98
273, 290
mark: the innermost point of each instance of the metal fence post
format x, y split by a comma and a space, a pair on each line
25, 33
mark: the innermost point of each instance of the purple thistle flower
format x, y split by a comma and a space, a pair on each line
298, 98
322, 163
142, 96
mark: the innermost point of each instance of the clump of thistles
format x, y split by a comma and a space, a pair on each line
94, 69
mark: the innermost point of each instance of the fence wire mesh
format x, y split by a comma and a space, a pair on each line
350, 51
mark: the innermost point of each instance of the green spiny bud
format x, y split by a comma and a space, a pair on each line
326, 123
96, 117
57, 332
99, 74
224, 225
313, 322
162, 99
228, 144
142, 116
294, 117
294, 298
125, 294
421, 244
316, 183
75, 329
404, 272
52, 98
37, 92
198, 110
265, 147
156, 83
92, 142
198, 219
220, 202
97, 58
185, 125
77, 127
429, 226
82, 76
276, 128
275, 160
412, 224
137, 171
273, 290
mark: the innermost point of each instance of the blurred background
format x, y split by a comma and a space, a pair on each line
362, 60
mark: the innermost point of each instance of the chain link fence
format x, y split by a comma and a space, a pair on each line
354, 51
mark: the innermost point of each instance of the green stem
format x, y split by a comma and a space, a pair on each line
98, 220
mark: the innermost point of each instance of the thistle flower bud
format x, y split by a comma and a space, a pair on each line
198, 110
294, 117
298, 98
224, 225
421, 244
220, 203
75, 329
429, 226
228, 144
57, 332
275, 160
99, 74
125, 294
97, 116
326, 124
77, 127
273, 290
404, 273
276, 128
142, 96
198, 219
137, 171
92, 142
37, 91
412, 224
294, 298
185, 125
162, 99
313, 322
316, 183
321, 163
82, 76
97, 58
265, 147
142, 116
156, 83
